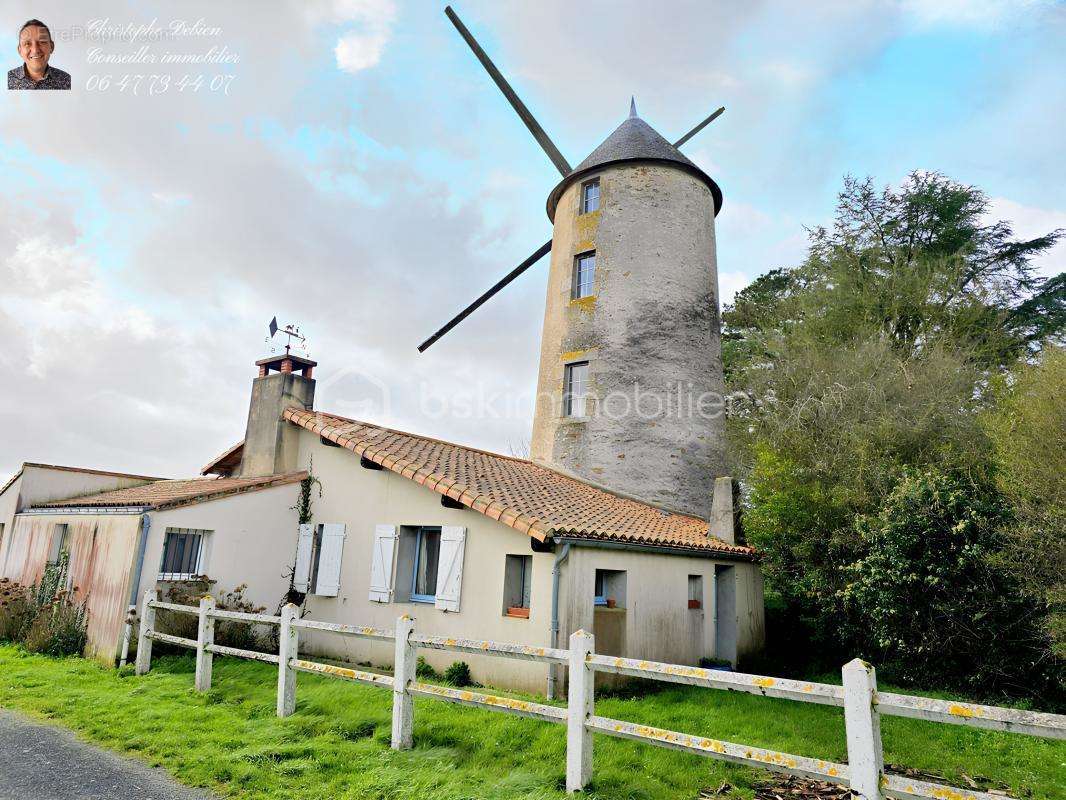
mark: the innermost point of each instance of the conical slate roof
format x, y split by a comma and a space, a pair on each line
633, 140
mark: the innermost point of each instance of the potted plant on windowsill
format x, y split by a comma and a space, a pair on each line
518, 611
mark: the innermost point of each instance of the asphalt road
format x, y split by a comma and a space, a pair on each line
39, 762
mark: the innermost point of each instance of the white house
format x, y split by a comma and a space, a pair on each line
470, 543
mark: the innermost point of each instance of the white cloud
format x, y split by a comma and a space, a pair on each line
363, 47
1030, 222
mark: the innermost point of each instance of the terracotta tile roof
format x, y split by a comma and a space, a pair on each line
517, 492
171, 494
226, 461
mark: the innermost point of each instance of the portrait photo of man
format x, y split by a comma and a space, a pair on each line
36, 47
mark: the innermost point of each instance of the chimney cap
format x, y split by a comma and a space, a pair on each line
275, 361
286, 363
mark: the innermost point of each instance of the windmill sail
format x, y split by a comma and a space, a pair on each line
516, 102
506, 279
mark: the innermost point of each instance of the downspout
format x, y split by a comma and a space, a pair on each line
560, 558
135, 589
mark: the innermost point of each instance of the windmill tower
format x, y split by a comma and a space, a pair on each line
630, 382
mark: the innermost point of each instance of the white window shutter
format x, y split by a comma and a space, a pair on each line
450, 567
329, 559
302, 573
381, 563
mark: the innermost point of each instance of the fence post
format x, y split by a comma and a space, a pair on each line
288, 648
863, 725
581, 700
403, 675
144, 644
205, 635
127, 634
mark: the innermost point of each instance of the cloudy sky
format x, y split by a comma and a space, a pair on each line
363, 178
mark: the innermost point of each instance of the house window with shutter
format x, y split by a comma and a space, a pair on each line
318, 559
427, 564
517, 577
183, 554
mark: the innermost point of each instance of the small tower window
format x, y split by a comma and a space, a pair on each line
590, 196
584, 272
575, 389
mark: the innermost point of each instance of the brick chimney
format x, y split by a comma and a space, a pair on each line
270, 444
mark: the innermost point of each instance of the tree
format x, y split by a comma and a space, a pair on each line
915, 266
870, 361
1028, 429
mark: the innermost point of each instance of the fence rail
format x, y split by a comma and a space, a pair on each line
862, 703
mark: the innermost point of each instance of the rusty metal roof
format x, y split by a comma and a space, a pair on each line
523, 495
633, 140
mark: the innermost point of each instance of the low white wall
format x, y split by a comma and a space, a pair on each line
252, 541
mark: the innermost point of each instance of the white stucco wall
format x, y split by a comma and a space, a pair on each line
252, 540
362, 499
42, 484
8, 506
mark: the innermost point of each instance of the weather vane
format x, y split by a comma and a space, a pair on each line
292, 331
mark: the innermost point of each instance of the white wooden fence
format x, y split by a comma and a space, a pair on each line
862, 703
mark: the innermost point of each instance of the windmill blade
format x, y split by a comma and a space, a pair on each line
516, 103
506, 279
700, 127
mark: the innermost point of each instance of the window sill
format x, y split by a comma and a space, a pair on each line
516, 612
421, 598
567, 420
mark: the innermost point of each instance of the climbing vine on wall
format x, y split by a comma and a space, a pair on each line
307, 486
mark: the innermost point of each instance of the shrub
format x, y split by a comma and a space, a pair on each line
58, 629
458, 674
16, 611
927, 604
44, 618
425, 671
228, 633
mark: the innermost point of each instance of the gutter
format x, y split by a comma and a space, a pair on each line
560, 559
693, 552
95, 510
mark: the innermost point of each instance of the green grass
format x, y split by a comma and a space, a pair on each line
337, 743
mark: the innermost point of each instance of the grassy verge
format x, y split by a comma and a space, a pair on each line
336, 745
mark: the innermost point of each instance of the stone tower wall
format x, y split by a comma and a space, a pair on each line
650, 333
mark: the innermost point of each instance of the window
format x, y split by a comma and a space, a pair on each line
182, 554
584, 272
610, 588
517, 574
427, 558
60, 542
590, 196
575, 389
695, 591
